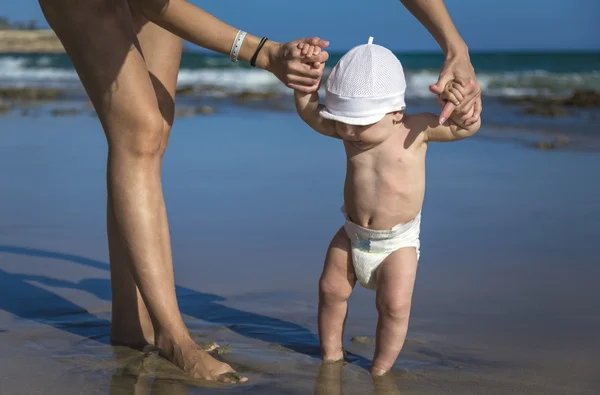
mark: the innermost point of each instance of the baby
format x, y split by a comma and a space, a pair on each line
378, 246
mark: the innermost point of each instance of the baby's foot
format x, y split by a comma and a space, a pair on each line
378, 372
195, 361
332, 357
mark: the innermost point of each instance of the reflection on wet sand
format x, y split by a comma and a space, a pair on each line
144, 374
329, 381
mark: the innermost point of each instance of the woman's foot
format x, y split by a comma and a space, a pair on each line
195, 361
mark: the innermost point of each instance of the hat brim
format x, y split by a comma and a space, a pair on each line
358, 121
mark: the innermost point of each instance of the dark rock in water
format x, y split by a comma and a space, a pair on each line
30, 94
555, 106
558, 142
533, 100
546, 110
57, 112
583, 98
4, 107
184, 112
30, 40
185, 90
205, 110
189, 112
212, 89
248, 96
545, 145
561, 141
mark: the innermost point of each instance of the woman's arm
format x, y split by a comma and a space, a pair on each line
203, 29
434, 16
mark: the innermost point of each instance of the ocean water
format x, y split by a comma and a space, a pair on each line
500, 74
506, 299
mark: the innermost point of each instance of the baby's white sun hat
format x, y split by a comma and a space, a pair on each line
367, 83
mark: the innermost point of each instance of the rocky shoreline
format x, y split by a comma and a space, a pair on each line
201, 101
556, 106
30, 41
196, 101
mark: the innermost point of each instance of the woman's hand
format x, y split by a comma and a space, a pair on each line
458, 68
295, 69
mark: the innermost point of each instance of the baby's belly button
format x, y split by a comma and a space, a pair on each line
365, 220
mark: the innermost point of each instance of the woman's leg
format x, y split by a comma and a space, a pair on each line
100, 38
131, 324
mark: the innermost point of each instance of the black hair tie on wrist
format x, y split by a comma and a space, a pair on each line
255, 56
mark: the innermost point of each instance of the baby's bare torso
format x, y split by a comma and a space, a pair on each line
385, 184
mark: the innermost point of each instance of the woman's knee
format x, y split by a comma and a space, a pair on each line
133, 125
142, 135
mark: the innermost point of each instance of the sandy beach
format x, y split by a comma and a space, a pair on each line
506, 299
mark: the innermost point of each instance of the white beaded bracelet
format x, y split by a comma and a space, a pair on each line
237, 44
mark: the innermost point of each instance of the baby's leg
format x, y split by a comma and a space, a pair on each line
395, 283
335, 287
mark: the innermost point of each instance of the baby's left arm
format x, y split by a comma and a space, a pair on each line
308, 106
454, 128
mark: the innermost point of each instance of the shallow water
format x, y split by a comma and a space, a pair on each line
505, 301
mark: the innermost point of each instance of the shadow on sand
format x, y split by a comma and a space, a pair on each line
18, 291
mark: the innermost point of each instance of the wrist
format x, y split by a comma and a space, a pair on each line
456, 49
267, 57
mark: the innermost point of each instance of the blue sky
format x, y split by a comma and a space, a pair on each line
484, 24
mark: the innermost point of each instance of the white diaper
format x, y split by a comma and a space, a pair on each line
370, 247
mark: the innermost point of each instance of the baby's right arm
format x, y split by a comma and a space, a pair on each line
308, 107
454, 128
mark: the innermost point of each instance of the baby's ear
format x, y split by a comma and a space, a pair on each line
397, 117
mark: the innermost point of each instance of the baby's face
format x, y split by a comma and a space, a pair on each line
367, 136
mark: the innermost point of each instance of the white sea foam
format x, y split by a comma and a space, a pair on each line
20, 72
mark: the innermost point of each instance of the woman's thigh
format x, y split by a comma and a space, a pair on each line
161, 50
101, 40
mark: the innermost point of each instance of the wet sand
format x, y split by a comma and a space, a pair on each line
506, 298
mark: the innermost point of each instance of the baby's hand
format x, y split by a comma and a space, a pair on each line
309, 52
455, 94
